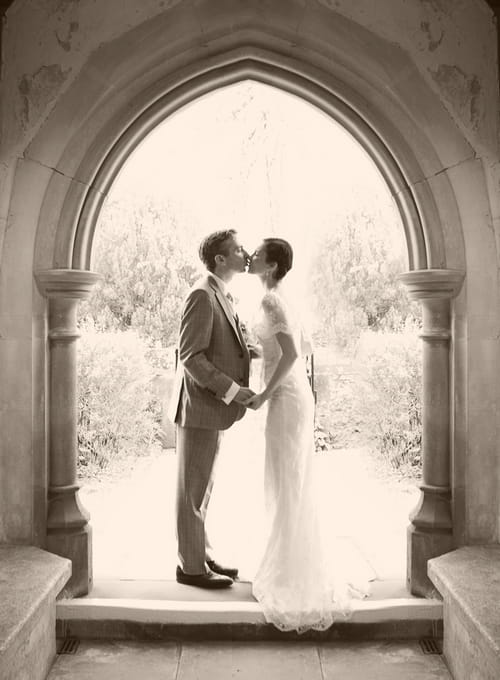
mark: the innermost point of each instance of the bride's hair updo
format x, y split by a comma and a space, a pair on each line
280, 251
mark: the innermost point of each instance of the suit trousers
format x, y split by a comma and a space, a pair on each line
197, 451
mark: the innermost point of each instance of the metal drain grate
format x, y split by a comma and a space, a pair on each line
430, 646
68, 646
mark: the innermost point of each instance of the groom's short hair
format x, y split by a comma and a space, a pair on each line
215, 244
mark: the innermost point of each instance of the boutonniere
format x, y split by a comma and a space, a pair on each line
250, 341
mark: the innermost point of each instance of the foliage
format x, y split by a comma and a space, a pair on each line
354, 281
148, 263
147, 267
370, 390
324, 440
340, 423
391, 395
118, 413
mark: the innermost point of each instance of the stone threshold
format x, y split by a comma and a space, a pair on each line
118, 609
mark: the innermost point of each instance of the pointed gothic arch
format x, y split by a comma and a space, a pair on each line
113, 123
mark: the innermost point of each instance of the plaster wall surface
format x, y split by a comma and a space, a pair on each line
71, 69
47, 44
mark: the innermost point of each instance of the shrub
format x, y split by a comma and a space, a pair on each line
324, 440
118, 413
148, 264
391, 398
354, 279
336, 422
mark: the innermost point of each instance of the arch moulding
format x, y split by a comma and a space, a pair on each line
120, 122
264, 68
63, 246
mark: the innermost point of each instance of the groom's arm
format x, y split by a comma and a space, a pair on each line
194, 341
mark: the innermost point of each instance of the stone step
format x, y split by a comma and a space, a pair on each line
469, 581
170, 611
30, 580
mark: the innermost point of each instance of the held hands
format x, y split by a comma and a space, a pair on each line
243, 395
256, 401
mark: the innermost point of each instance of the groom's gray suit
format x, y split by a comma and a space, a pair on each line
212, 355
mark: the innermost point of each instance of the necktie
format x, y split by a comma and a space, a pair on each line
231, 301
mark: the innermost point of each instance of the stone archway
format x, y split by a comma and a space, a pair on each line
431, 528
370, 86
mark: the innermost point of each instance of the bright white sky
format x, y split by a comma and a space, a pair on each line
252, 157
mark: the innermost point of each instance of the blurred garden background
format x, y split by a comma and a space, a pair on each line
264, 162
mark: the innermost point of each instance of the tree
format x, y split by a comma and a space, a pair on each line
147, 268
354, 282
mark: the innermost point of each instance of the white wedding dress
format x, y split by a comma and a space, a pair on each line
298, 586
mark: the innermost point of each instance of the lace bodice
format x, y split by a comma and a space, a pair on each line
276, 315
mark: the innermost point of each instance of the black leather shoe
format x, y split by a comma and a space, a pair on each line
225, 571
208, 580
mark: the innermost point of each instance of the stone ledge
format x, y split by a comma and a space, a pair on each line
195, 612
245, 632
30, 580
469, 581
134, 618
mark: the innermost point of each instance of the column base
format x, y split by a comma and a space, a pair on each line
421, 547
77, 547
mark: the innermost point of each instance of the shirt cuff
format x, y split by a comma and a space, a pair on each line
231, 393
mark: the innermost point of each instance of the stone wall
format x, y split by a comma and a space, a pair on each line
416, 72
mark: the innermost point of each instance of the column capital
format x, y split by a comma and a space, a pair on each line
66, 283
434, 284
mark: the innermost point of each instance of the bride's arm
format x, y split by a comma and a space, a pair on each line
289, 355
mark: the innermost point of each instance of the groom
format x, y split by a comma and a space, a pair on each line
212, 385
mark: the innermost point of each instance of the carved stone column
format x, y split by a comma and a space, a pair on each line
431, 528
68, 531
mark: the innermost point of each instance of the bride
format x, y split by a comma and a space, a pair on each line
295, 584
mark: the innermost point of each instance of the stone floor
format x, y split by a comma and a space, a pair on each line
386, 660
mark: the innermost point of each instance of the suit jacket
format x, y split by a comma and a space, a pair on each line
212, 354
